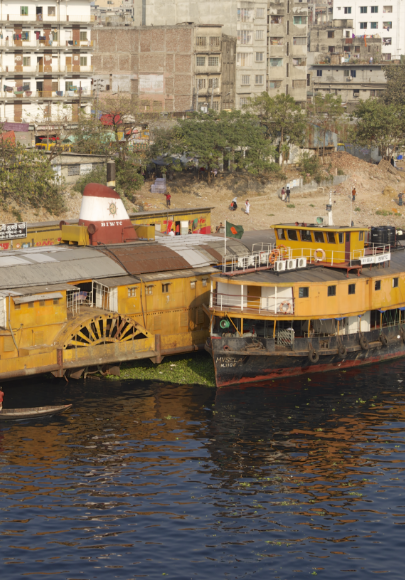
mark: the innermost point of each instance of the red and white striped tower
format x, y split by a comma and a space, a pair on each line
105, 216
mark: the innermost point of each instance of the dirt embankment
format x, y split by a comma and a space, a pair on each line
372, 206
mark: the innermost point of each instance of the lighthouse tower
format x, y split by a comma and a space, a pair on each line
105, 216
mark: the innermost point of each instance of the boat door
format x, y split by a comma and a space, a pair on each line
253, 297
347, 246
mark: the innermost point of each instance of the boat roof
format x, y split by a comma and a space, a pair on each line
319, 273
305, 226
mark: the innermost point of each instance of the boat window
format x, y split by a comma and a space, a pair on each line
132, 291
377, 285
165, 288
30, 304
330, 236
149, 290
192, 284
319, 237
204, 282
17, 306
306, 235
303, 292
42, 302
331, 290
56, 300
352, 288
280, 234
361, 236
340, 237
395, 282
293, 235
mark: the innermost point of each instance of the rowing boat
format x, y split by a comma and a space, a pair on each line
31, 412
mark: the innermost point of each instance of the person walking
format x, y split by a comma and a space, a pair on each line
247, 207
288, 194
168, 198
283, 194
354, 194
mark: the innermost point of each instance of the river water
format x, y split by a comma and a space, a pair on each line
145, 480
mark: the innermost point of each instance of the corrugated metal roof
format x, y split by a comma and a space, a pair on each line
192, 273
145, 258
6, 261
39, 257
36, 297
194, 258
41, 289
119, 281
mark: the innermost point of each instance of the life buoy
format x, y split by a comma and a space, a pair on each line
364, 343
273, 256
283, 251
384, 339
322, 256
313, 356
285, 307
342, 350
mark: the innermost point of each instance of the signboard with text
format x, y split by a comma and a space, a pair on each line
13, 231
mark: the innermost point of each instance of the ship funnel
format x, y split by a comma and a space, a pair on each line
105, 216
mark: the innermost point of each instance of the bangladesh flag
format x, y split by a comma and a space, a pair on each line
233, 231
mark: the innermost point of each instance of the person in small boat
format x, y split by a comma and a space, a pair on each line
1, 399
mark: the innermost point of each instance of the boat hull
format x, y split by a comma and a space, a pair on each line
32, 413
243, 366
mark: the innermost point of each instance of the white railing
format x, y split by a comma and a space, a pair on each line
34, 43
267, 305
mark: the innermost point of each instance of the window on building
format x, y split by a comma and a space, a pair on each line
352, 288
353, 73
374, 25
51, 11
331, 34
274, 84
356, 93
244, 37
319, 72
395, 282
26, 61
276, 19
201, 84
259, 56
347, 34
200, 60
374, 10
259, 79
357, 49
347, 9
215, 105
244, 58
83, 35
165, 288
260, 13
346, 73
303, 292
245, 79
372, 93
68, 85
331, 49
386, 56
287, 70
215, 40
387, 41
387, 25
83, 61
300, 40
387, 9
23, 10
213, 61
300, 84
244, 14
73, 170
363, 25
363, 9
300, 20
201, 41
213, 83
331, 290
259, 34
377, 285
276, 41
276, 62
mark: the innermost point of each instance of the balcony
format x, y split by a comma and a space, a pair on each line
53, 95
11, 45
33, 19
269, 305
43, 69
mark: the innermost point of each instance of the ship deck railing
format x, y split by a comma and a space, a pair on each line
246, 303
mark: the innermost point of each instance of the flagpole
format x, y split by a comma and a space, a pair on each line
225, 249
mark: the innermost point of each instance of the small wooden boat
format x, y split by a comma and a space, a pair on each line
31, 412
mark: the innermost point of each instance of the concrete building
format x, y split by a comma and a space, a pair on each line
287, 61
376, 17
46, 59
170, 68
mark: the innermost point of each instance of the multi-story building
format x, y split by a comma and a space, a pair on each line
287, 61
170, 68
380, 18
45, 59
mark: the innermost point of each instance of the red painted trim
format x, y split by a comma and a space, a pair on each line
98, 190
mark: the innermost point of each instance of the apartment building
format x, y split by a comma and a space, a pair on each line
45, 59
376, 17
287, 60
170, 68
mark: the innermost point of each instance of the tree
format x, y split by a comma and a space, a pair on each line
326, 112
282, 119
379, 125
395, 91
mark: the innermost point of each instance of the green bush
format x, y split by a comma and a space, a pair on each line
98, 175
310, 164
341, 172
357, 209
290, 205
383, 212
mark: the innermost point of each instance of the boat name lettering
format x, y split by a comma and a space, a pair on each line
111, 224
375, 259
229, 361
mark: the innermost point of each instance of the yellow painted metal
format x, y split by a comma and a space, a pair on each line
73, 234
145, 232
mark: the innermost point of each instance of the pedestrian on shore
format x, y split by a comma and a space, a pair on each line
189, 231
288, 194
1, 399
168, 198
354, 194
283, 194
171, 233
218, 229
247, 207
